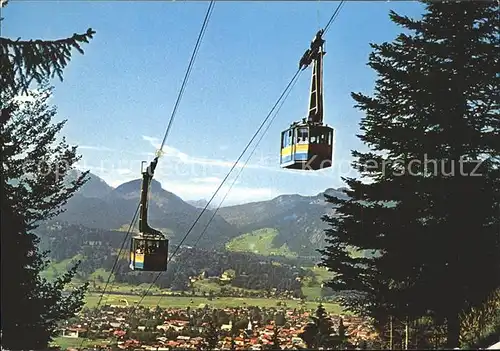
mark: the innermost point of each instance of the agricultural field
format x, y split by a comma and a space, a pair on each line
65, 343
217, 302
260, 242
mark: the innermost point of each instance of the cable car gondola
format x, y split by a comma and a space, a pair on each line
308, 145
148, 249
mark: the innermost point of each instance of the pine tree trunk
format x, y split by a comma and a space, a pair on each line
453, 331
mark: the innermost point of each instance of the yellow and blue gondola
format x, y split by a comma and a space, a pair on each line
148, 249
308, 145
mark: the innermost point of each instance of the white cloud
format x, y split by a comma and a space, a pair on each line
108, 149
262, 163
97, 148
192, 178
113, 178
207, 180
167, 150
179, 163
123, 171
31, 95
193, 189
24, 98
188, 190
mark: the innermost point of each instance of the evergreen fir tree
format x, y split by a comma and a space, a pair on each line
276, 343
318, 332
341, 340
325, 326
25, 61
309, 334
32, 306
34, 188
212, 335
430, 236
234, 333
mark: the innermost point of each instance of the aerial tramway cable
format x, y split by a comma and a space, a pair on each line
222, 183
149, 248
335, 14
167, 131
179, 97
332, 18
188, 72
132, 225
241, 171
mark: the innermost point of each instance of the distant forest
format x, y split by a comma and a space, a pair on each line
99, 248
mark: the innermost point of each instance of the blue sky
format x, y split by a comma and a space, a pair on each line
118, 97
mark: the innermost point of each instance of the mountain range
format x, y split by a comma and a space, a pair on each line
201, 204
295, 219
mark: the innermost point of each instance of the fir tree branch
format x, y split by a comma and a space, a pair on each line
25, 61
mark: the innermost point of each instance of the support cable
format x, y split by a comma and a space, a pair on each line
167, 131
332, 18
241, 170
223, 181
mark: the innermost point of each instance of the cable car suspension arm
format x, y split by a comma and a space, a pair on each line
147, 177
314, 55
